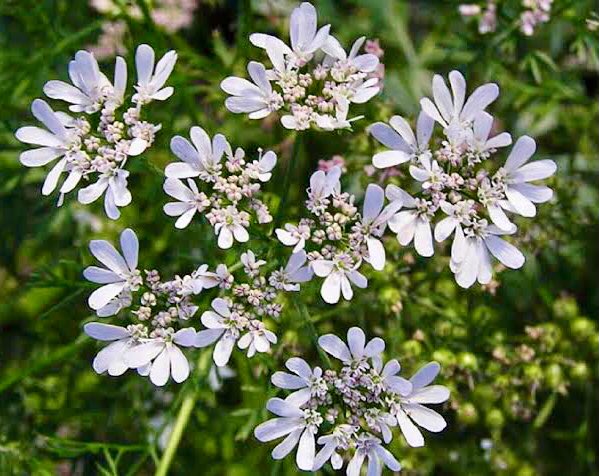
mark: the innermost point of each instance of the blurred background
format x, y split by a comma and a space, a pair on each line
520, 354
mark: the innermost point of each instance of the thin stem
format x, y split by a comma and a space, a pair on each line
182, 419
296, 154
178, 429
303, 311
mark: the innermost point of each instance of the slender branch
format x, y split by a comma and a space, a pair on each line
303, 311
296, 154
177, 432
182, 419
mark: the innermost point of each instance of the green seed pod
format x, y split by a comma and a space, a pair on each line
445, 357
467, 414
580, 372
526, 470
467, 361
565, 308
390, 295
411, 348
443, 328
533, 372
495, 419
554, 376
582, 328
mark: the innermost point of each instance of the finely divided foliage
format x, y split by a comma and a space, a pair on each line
341, 414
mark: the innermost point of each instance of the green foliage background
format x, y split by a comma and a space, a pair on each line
58, 417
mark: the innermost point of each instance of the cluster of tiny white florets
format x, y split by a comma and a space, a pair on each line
534, 13
311, 93
226, 191
454, 188
239, 317
155, 308
337, 238
350, 412
94, 147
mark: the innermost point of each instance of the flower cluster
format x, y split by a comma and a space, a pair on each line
172, 15
226, 191
454, 190
156, 308
350, 412
239, 317
337, 238
311, 93
534, 12
94, 146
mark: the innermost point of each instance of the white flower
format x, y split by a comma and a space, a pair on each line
338, 274
296, 425
294, 273
368, 446
90, 88
457, 215
411, 410
322, 185
470, 259
257, 98
521, 194
455, 113
204, 279
293, 235
190, 201
481, 129
339, 438
362, 91
201, 158
429, 173
305, 40
150, 80
399, 137
113, 185
250, 264
388, 379
166, 358
221, 328
110, 358
413, 224
340, 121
115, 305
374, 219
120, 273
304, 380
55, 143
231, 227
356, 350
257, 339
264, 167
365, 63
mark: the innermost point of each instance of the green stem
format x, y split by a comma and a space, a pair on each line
189, 401
303, 312
175, 437
296, 154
